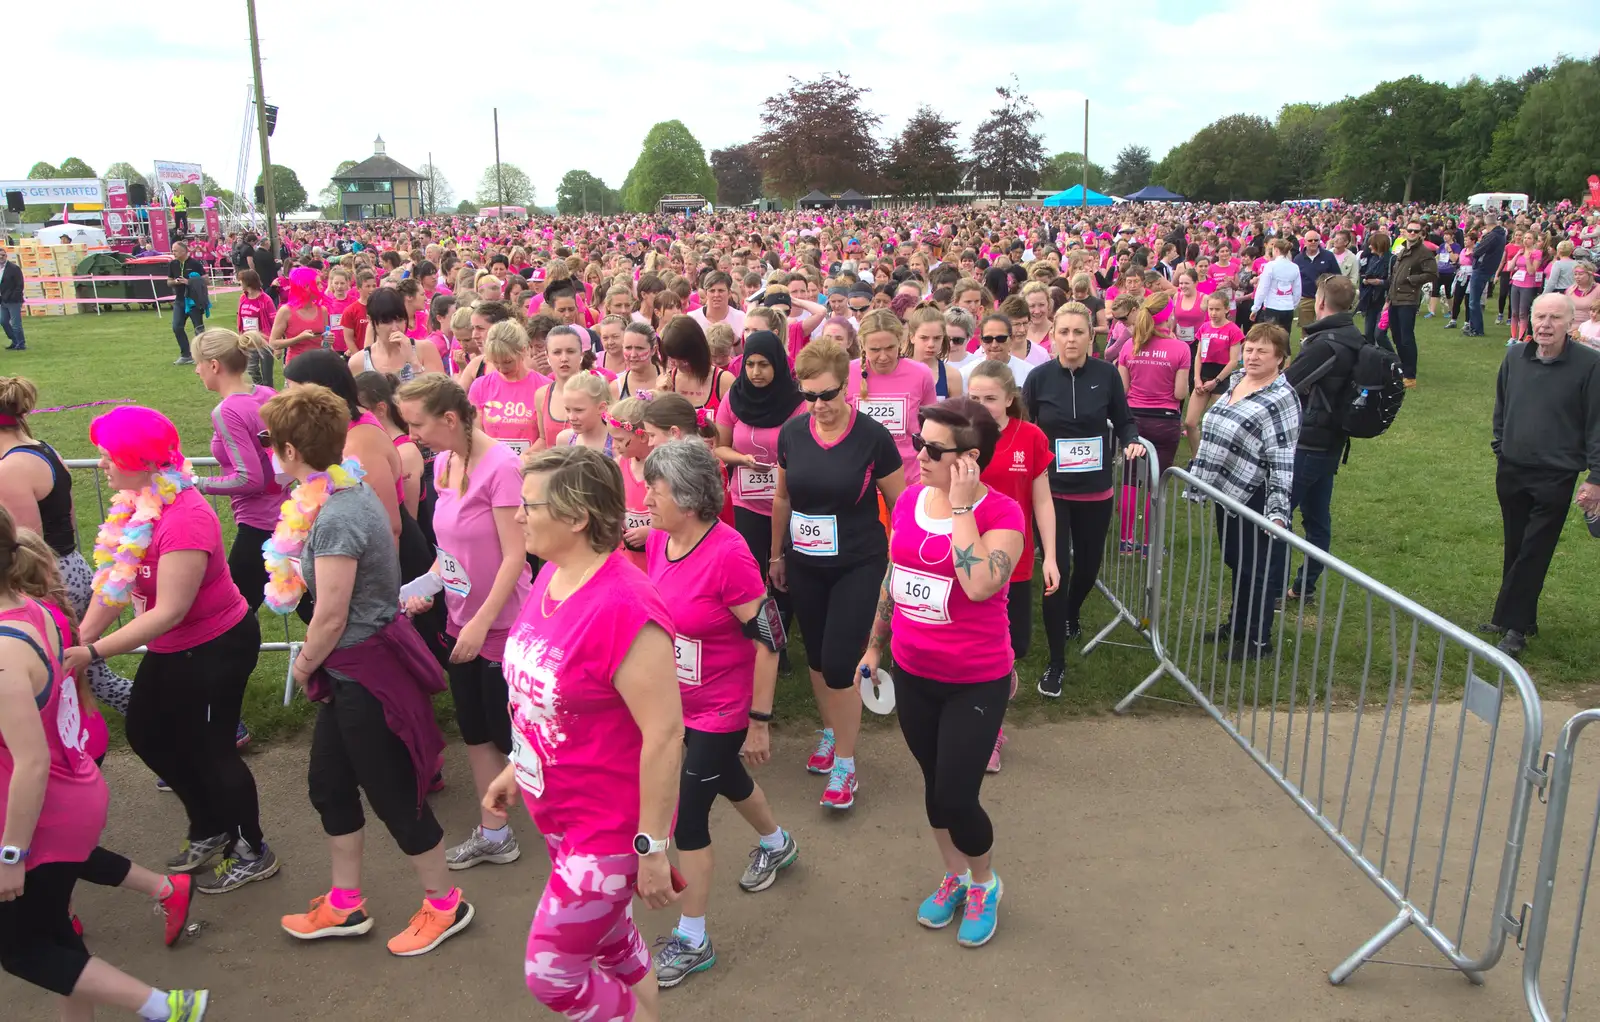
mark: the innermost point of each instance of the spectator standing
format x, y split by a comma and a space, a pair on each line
11, 302
1486, 257
1413, 269
1312, 262
178, 270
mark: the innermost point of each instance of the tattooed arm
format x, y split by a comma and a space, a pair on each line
984, 563
880, 625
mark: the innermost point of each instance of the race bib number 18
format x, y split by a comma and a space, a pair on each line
1085, 454
453, 575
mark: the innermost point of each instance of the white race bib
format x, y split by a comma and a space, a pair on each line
140, 604
757, 484
294, 563
452, 574
1084, 454
687, 653
920, 596
817, 535
635, 520
529, 770
1186, 334
890, 411
517, 446
252, 322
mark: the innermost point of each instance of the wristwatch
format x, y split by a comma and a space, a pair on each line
10, 855
644, 844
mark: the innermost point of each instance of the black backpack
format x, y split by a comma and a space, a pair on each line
1372, 397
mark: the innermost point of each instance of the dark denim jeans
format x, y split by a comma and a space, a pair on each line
179, 317
1257, 563
1312, 494
1475, 300
1403, 324
11, 321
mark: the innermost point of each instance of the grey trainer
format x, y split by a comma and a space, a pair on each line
477, 848
195, 854
765, 863
236, 870
677, 961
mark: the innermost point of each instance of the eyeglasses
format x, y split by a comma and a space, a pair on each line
527, 508
826, 395
935, 451
264, 438
995, 338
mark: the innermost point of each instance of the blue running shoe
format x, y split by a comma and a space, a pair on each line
940, 907
977, 926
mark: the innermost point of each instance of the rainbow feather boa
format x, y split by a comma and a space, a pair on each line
124, 539
282, 549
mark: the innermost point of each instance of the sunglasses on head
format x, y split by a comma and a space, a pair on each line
825, 395
935, 451
264, 438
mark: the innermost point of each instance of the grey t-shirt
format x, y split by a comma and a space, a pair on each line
353, 524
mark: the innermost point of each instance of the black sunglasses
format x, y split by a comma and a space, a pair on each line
264, 438
995, 338
826, 395
935, 451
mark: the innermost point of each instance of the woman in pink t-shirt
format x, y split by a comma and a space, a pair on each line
565, 347
483, 570
1188, 308
597, 739
506, 397
630, 445
1154, 366
1217, 346
886, 386
951, 555
201, 638
726, 642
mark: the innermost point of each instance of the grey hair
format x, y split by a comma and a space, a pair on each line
1566, 302
690, 471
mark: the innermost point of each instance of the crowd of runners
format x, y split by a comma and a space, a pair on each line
590, 474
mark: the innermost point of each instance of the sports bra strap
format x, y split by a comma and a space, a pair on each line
43, 695
37, 453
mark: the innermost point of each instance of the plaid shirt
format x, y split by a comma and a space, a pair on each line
1251, 443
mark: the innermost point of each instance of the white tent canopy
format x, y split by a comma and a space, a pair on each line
78, 234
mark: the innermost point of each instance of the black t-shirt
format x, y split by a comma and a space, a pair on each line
265, 266
833, 502
181, 273
1094, 303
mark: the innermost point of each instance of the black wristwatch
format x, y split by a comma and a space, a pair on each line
759, 716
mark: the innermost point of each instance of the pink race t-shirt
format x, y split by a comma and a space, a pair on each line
1152, 373
753, 490
188, 523
938, 632
893, 399
575, 745
1215, 343
256, 313
469, 544
507, 407
715, 661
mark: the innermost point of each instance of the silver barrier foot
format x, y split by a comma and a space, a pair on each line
1100, 636
1398, 925
1144, 686
288, 674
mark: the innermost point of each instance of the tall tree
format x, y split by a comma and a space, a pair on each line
38, 214
1131, 171
466, 207
738, 173
74, 167
1063, 170
127, 172
43, 171
670, 162
518, 187
924, 160
328, 198
1303, 155
1006, 151
289, 194
208, 185
1232, 158
817, 135
1482, 108
1388, 140
436, 191
583, 192
1553, 144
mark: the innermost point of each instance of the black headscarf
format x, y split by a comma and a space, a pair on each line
772, 405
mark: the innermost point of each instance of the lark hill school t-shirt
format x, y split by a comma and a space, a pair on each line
937, 631
508, 408
753, 489
1153, 372
716, 662
188, 523
256, 313
833, 504
1021, 456
575, 746
469, 544
354, 524
1215, 343
893, 400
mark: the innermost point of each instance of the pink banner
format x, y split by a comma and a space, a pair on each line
160, 236
213, 225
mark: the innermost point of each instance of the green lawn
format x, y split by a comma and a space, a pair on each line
1415, 509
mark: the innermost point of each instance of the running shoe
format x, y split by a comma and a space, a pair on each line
765, 863
429, 928
977, 925
841, 790
241, 736
821, 761
940, 907
437, 784
1449, 324
77, 924
323, 920
236, 870
1428, 316
994, 757
678, 959
175, 907
163, 786
184, 361
1074, 628
1050, 681
187, 1005
478, 848
195, 854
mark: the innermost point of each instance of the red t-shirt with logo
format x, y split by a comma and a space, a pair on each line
354, 319
1021, 456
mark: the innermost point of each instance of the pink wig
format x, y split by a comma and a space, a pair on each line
137, 439
303, 289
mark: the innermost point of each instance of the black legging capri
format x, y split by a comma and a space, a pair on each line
1019, 611
1080, 528
835, 606
756, 529
37, 942
711, 767
246, 565
951, 730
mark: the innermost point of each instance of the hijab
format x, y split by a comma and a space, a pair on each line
772, 405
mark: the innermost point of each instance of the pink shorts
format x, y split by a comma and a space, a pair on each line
584, 952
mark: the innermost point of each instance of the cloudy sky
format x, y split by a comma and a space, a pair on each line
427, 75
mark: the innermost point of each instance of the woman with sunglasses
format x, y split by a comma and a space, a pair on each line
829, 549
955, 544
994, 339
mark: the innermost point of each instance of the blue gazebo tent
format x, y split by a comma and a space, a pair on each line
1074, 197
1154, 193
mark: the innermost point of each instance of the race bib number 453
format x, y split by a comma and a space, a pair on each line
1084, 454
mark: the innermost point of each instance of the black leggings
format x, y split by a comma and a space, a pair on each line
1080, 528
1019, 609
1504, 297
181, 721
1458, 294
756, 528
835, 606
353, 751
711, 767
248, 566
483, 713
37, 943
951, 730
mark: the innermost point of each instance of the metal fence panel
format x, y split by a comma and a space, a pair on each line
1349, 707
1125, 565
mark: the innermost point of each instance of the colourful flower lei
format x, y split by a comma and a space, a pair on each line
120, 546
284, 584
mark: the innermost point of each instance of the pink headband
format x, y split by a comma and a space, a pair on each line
1164, 315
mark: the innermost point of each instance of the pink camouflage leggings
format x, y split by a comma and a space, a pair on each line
584, 951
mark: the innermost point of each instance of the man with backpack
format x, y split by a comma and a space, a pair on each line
1347, 388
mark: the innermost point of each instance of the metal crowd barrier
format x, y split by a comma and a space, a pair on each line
1402, 780
202, 466
1125, 575
1538, 915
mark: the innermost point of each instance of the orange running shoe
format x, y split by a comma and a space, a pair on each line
326, 921
429, 928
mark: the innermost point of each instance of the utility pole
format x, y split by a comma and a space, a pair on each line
261, 129
499, 185
433, 189
1086, 152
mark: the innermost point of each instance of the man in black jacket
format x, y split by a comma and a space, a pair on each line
1486, 256
11, 301
1319, 375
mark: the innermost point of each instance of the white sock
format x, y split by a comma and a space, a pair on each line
693, 930
498, 834
774, 841
155, 1007
847, 762
994, 879
966, 878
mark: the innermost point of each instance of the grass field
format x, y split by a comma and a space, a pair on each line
1415, 508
